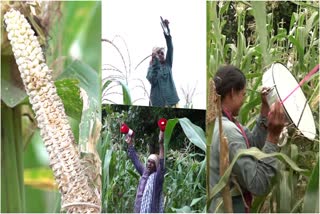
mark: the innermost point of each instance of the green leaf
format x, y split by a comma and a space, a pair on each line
90, 36
68, 90
41, 178
12, 88
126, 93
87, 76
106, 175
257, 203
134, 174
195, 200
296, 206
259, 11
258, 155
106, 166
195, 134
106, 85
125, 90
284, 192
185, 209
12, 192
171, 123
81, 22
90, 85
311, 197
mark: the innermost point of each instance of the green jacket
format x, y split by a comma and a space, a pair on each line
163, 90
251, 174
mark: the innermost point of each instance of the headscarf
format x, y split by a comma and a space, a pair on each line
156, 49
155, 158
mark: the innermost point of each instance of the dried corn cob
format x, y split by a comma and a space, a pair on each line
77, 195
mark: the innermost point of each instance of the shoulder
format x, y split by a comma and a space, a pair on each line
230, 130
229, 126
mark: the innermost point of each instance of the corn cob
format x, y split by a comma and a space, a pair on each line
76, 194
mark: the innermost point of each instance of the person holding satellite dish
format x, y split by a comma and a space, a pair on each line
163, 90
251, 176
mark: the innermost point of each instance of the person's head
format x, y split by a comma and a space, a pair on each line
152, 163
230, 84
159, 51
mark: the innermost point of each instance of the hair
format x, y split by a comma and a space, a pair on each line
227, 78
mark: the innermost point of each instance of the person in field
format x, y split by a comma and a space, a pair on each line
251, 175
149, 197
163, 90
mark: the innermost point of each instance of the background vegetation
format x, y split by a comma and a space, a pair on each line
253, 35
184, 186
70, 34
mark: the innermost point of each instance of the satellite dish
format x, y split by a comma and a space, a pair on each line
295, 104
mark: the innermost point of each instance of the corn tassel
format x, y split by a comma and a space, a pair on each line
76, 194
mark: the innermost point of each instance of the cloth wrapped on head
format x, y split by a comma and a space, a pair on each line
155, 158
156, 49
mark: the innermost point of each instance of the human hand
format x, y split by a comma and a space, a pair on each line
264, 103
276, 122
129, 139
154, 54
166, 22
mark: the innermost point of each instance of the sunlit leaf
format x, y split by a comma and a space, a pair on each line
195, 134
41, 178
195, 200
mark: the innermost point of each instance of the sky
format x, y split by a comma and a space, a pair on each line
138, 24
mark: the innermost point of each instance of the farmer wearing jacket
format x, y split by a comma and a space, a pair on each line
149, 197
163, 90
251, 175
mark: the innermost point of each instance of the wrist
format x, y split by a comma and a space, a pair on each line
272, 138
264, 111
263, 122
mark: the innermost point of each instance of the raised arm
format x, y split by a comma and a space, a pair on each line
161, 168
169, 55
258, 135
161, 147
133, 155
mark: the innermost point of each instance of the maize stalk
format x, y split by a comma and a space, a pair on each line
210, 119
77, 195
224, 161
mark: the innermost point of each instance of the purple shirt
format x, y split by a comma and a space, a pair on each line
158, 182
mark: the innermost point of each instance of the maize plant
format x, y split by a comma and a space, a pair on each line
184, 183
252, 35
77, 177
